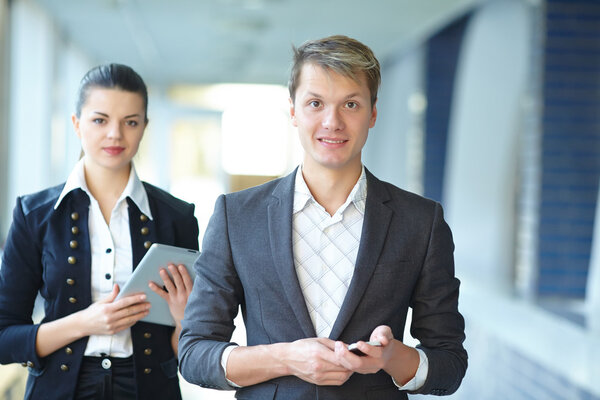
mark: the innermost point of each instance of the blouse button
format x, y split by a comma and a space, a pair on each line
64, 368
74, 230
69, 351
147, 335
147, 370
75, 216
72, 300
73, 244
147, 244
70, 281
72, 260
143, 218
147, 351
144, 230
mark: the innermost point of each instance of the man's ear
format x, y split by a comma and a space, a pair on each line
293, 112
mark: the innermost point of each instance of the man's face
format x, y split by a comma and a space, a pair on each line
333, 114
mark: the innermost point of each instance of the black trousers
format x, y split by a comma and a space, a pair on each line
106, 378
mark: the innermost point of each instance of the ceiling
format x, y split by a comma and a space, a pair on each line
237, 41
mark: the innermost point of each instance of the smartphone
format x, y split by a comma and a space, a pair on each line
352, 347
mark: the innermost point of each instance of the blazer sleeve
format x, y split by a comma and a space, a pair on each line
436, 322
212, 306
20, 280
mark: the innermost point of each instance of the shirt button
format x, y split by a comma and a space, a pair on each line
108, 251
106, 363
147, 370
30, 364
107, 276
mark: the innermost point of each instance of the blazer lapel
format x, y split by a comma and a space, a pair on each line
279, 212
374, 232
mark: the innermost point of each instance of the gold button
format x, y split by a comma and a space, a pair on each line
64, 368
147, 335
147, 244
69, 351
147, 351
75, 216
23, 364
72, 260
74, 230
143, 218
73, 244
30, 364
70, 281
145, 230
147, 370
72, 300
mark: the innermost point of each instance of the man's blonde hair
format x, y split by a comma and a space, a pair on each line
340, 54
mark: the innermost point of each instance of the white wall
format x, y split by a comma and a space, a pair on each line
481, 166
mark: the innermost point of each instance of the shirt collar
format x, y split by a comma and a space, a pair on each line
134, 188
357, 196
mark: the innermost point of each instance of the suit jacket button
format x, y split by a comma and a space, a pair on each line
145, 230
70, 281
147, 351
72, 300
74, 230
147, 335
147, 244
69, 351
147, 370
75, 216
143, 218
73, 244
64, 368
71, 260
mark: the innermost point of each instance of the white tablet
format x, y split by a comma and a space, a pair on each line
158, 256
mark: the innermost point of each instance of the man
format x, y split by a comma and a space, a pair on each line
324, 257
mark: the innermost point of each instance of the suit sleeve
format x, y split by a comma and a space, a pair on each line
436, 322
20, 280
212, 306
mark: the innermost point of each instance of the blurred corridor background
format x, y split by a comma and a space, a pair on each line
491, 107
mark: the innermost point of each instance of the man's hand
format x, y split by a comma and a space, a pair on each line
394, 357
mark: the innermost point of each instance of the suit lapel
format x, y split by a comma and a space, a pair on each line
280, 234
374, 232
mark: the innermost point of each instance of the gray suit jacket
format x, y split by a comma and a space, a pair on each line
405, 260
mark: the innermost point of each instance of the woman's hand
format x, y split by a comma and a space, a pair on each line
177, 289
107, 316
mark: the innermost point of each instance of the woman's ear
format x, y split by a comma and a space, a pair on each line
75, 122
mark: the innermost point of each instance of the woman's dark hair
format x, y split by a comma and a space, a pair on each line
111, 76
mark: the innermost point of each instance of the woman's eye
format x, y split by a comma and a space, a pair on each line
314, 104
98, 120
132, 123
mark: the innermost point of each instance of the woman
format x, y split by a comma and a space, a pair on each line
77, 243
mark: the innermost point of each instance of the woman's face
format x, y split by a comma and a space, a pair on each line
110, 127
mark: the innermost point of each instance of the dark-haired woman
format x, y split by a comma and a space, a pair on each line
75, 244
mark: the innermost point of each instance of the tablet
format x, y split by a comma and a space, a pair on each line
158, 256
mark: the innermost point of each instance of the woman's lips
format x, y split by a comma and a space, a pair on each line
114, 150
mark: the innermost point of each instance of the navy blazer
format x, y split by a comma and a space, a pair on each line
405, 259
48, 251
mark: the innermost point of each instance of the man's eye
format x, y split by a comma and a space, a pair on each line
351, 104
